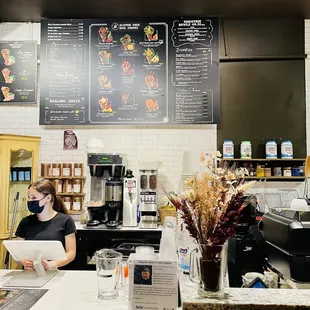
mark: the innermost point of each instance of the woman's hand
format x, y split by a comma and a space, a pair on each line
27, 264
49, 265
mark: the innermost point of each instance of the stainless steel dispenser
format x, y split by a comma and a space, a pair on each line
148, 198
106, 190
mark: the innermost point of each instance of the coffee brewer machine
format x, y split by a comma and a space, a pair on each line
105, 208
246, 248
148, 198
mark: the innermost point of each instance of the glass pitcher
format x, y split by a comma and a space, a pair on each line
109, 273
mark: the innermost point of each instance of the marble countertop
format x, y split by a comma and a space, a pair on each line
246, 299
77, 290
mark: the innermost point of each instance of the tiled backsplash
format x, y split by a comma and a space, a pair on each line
176, 148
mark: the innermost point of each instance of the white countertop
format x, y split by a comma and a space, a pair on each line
80, 226
77, 290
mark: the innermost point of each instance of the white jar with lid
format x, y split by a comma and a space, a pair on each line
287, 149
287, 171
228, 149
271, 149
246, 149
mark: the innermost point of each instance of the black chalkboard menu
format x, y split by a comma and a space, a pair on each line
129, 72
18, 66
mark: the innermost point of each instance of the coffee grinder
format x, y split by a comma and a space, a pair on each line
148, 198
106, 190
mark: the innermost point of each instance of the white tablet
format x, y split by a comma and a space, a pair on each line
27, 249
33, 250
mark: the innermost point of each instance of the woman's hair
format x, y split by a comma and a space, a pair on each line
46, 187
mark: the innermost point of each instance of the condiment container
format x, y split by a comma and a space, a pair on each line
46, 170
20, 174
67, 170
267, 172
77, 203
260, 171
287, 149
252, 171
302, 170
296, 172
67, 186
77, 186
228, 149
14, 174
78, 170
287, 172
153, 182
271, 149
67, 202
143, 181
277, 171
58, 185
28, 174
56, 170
246, 149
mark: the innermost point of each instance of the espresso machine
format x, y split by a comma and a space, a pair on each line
105, 208
148, 198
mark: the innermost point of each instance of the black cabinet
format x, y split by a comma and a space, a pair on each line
89, 241
262, 38
261, 101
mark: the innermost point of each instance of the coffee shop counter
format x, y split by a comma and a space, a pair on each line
77, 290
90, 240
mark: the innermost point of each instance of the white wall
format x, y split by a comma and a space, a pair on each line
165, 143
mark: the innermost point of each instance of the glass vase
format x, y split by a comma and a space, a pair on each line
208, 264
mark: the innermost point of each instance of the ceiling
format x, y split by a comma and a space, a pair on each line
35, 10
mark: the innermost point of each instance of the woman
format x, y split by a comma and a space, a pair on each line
49, 221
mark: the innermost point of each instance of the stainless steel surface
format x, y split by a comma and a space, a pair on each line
149, 218
148, 207
114, 192
80, 226
96, 189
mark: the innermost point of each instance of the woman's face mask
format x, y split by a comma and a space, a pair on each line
34, 206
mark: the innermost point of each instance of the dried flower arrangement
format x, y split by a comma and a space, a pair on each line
212, 206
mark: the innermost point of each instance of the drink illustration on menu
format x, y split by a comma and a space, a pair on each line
105, 35
104, 57
128, 44
129, 62
7, 57
150, 33
18, 64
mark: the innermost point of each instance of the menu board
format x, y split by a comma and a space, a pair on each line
129, 72
18, 66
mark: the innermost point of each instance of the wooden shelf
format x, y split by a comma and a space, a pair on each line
64, 178
264, 159
20, 182
71, 194
73, 212
275, 178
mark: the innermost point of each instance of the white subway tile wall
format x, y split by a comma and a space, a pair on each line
177, 148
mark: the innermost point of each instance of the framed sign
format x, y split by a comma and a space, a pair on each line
18, 76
